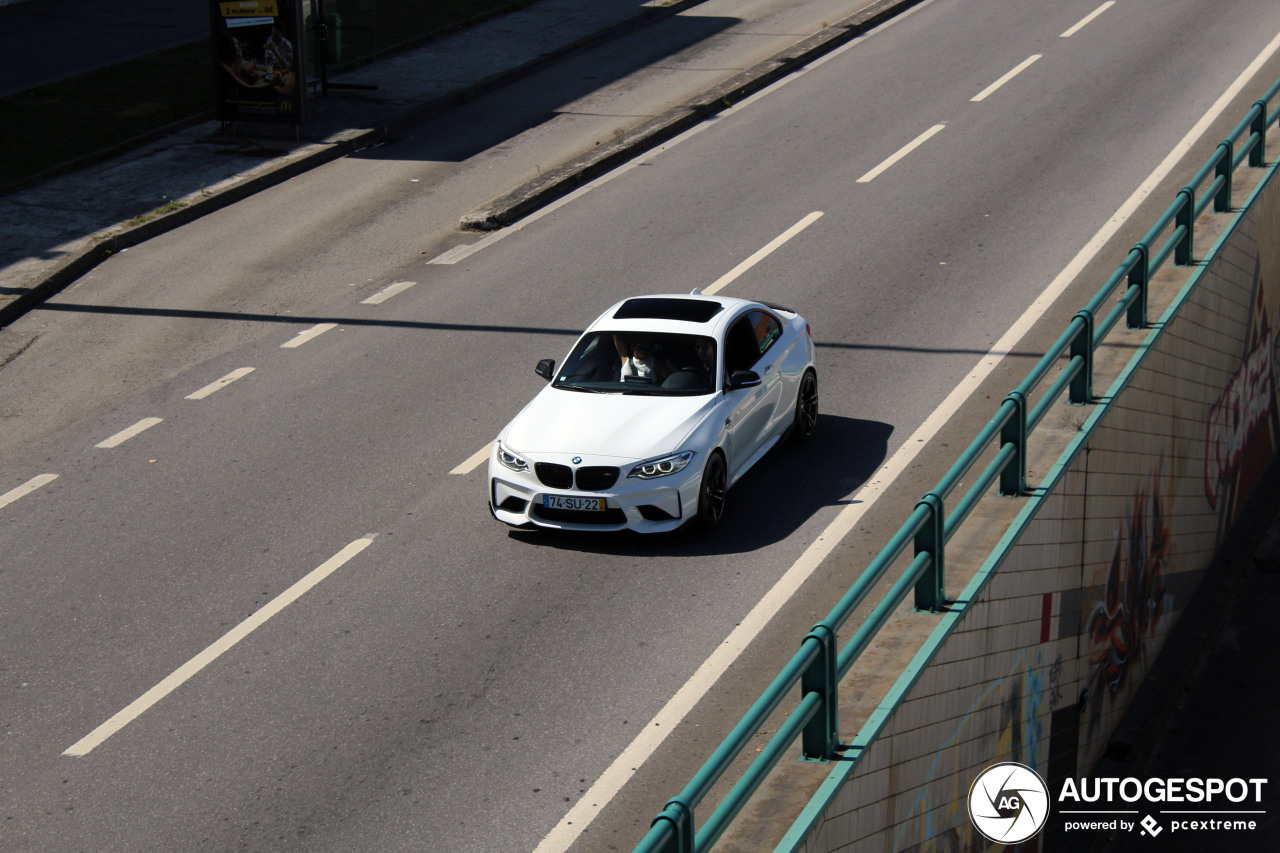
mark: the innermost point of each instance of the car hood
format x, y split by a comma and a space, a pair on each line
628, 426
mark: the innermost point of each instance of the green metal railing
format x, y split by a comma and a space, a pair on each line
819, 664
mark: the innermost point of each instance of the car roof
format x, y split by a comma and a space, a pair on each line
687, 313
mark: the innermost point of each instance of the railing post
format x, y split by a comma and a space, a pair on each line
1140, 275
1185, 252
1257, 155
930, 589
821, 734
1222, 201
1082, 345
1013, 479
681, 825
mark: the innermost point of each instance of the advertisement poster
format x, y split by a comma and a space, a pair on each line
259, 66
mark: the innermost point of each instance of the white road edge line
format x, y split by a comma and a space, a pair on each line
474, 460
306, 335
763, 253
218, 385
1086, 19
902, 152
180, 675
26, 488
1017, 69
590, 804
125, 434
387, 292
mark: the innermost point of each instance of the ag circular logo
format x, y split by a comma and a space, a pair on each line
1008, 803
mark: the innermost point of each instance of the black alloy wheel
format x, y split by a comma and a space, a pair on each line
711, 495
806, 419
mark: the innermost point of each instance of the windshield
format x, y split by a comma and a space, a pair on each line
641, 363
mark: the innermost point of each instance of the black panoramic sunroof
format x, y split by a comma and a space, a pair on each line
668, 308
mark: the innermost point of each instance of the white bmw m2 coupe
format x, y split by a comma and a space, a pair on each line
662, 405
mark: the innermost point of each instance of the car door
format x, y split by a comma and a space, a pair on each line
754, 409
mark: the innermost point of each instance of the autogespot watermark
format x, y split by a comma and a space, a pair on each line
1009, 803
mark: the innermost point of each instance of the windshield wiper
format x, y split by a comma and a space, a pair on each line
583, 388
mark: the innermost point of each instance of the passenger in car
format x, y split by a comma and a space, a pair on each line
638, 360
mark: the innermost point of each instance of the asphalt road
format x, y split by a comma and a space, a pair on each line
450, 686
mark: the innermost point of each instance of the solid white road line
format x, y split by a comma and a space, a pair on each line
763, 253
304, 336
1086, 19
474, 460
616, 775
26, 488
238, 373
388, 292
126, 434
210, 654
903, 152
1018, 69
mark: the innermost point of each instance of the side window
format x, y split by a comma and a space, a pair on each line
741, 347
766, 327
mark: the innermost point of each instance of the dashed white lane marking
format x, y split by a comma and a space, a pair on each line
388, 292
304, 336
458, 253
180, 675
474, 460
1018, 69
125, 434
902, 152
590, 804
1087, 18
763, 253
26, 488
212, 387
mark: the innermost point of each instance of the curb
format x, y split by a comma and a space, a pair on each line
564, 179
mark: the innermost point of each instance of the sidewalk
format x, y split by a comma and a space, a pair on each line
58, 229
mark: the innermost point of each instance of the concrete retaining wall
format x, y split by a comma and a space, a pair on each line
1063, 622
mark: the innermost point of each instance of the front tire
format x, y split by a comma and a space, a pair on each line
806, 417
712, 492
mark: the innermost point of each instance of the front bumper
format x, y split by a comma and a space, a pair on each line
645, 506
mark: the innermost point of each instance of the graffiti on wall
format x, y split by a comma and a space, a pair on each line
1133, 599
1243, 427
939, 821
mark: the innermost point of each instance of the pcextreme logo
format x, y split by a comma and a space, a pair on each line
1008, 803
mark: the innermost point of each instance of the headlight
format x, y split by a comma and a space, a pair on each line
510, 460
663, 467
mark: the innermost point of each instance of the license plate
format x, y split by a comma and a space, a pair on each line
568, 502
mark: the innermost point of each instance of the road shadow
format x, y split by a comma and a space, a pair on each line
769, 503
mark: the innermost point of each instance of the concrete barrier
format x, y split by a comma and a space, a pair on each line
1049, 640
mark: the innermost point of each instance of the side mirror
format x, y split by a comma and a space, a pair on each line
743, 379
546, 368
